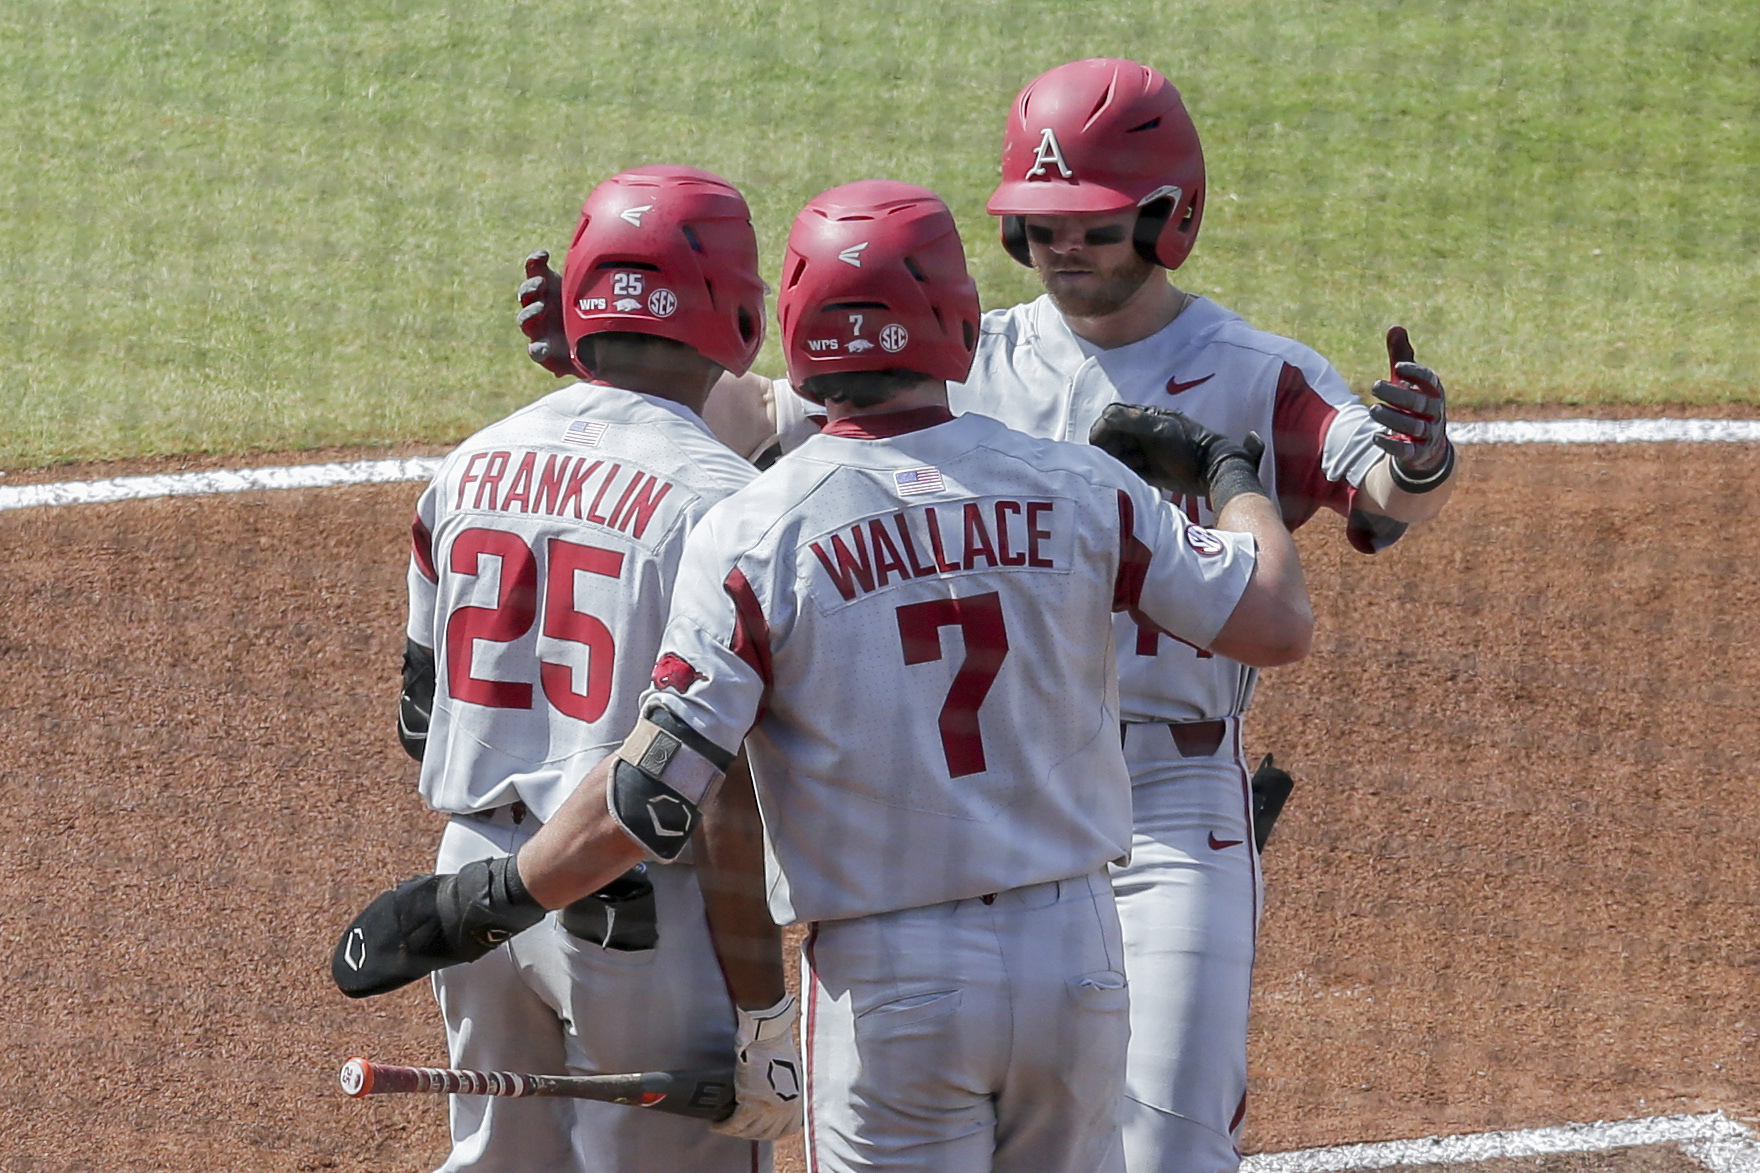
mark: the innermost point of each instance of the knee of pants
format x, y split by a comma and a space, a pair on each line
1161, 1142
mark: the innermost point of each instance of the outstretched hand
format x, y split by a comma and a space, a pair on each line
540, 316
1171, 450
1414, 413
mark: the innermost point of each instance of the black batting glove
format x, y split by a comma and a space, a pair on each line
430, 923
540, 317
1176, 453
1414, 413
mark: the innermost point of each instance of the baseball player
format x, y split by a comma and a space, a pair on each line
908, 623
1102, 190
544, 556
1102, 193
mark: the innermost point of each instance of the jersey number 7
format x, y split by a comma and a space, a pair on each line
979, 618
514, 612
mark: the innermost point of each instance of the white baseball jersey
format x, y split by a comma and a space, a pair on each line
550, 541
1034, 374
912, 615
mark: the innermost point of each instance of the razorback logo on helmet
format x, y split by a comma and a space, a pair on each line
1202, 540
1048, 154
675, 672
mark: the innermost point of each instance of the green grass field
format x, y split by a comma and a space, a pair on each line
265, 226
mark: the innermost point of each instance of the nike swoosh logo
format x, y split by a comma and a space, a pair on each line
1174, 387
1218, 844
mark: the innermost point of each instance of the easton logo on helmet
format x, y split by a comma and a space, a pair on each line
1049, 153
853, 254
634, 215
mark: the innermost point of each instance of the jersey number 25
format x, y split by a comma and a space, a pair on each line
514, 612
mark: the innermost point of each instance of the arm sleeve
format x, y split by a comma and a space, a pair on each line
1181, 578
1323, 438
714, 669
424, 579
415, 705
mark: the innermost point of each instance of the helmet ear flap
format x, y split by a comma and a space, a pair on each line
1014, 239
1147, 234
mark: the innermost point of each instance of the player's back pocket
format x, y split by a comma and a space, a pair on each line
1103, 990
895, 1016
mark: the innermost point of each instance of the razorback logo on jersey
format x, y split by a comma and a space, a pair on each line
1203, 540
675, 672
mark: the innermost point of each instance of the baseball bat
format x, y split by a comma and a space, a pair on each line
705, 1093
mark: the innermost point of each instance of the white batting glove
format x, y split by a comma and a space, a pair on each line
766, 1075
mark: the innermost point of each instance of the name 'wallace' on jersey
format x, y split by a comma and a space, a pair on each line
987, 534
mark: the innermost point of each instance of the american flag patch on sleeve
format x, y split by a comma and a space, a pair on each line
914, 482
585, 432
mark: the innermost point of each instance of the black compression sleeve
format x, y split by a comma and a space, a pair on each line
1232, 476
417, 703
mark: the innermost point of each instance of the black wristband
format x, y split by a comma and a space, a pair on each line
483, 905
507, 866
1406, 483
1232, 476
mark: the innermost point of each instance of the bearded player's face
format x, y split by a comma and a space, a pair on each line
1087, 263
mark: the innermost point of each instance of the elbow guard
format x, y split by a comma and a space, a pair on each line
662, 777
417, 704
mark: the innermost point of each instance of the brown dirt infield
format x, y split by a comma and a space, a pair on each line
1517, 883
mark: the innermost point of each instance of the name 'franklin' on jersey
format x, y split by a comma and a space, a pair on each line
919, 623
551, 539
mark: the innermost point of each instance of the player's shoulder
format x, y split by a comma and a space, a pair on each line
1016, 327
1008, 323
1053, 460
755, 516
660, 435
1223, 333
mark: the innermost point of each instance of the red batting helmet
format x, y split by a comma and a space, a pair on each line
1097, 136
875, 279
667, 251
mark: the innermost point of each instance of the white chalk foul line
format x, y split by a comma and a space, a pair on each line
1713, 1139
185, 484
362, 472
1606, 432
